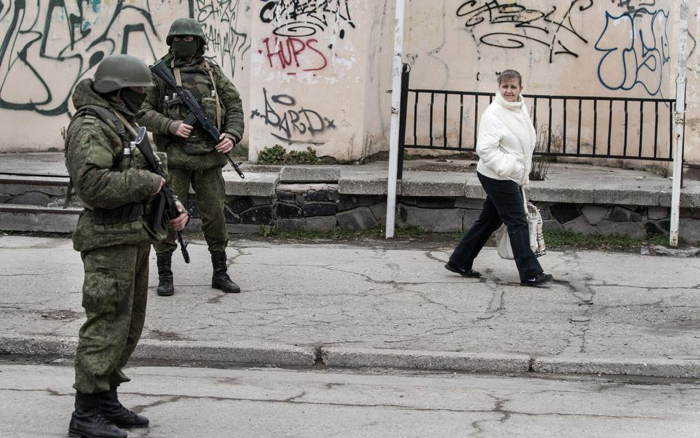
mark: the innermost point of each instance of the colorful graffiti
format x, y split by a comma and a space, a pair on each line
636, 50
43, 38
292, 124
512, 25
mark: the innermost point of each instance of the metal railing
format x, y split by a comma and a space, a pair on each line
568, 126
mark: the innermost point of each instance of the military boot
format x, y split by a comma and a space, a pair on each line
220, 279
165, 275
114, 411
88, 422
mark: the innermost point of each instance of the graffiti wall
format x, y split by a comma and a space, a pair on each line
48, 46
309, 64
617, 48
316, 73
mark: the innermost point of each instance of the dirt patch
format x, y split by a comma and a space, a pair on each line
61, 315
166, 336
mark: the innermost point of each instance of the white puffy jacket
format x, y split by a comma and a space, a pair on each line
506, 141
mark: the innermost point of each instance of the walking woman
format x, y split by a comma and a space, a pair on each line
505, 145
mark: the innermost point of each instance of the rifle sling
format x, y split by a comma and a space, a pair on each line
216, 98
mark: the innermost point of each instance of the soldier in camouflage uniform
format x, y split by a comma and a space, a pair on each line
193, 158
115, 189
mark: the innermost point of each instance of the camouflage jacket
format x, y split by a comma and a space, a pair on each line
114, 189
196, 152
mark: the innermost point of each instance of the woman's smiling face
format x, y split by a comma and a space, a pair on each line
510, 89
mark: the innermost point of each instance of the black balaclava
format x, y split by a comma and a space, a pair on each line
132, 99
185, 50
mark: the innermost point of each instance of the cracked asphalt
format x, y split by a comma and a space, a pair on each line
602, 305
36, 401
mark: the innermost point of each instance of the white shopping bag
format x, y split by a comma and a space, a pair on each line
534, 224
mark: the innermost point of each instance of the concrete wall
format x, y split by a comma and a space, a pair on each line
316, 73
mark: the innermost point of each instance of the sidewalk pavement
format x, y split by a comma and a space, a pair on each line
378, 304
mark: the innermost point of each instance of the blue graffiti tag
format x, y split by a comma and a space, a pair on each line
636, 50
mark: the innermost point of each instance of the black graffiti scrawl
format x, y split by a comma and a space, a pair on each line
47, 46
305, 18
515, 25
291, 123
221, 21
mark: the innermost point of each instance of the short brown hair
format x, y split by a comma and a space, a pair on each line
507, 75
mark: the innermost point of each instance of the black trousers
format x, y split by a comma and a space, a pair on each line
503, 205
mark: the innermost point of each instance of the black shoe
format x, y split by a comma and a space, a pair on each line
88, 422
220, 279
470, 273
114, 411
537, 280
166, 287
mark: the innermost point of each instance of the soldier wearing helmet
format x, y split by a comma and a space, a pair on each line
115, 189
193, 158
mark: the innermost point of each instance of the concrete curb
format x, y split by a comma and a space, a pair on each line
425, 360
236, 352
650, 367
254, 353
38, 346
176, 351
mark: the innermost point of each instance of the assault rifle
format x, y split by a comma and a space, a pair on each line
196, 114
164, 206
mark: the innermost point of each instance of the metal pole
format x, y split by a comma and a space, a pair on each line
679, 122
395, 109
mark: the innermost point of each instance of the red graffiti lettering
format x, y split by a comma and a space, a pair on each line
291, 53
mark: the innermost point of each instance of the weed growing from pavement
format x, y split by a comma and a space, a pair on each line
554, 239
570, 239
344, 235
279, 155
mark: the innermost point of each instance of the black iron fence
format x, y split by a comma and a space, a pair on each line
568, 126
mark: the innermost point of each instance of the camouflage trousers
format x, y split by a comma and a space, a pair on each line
114, 298
210, 195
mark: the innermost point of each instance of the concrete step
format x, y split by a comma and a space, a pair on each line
35, 203
16, 217
28, 189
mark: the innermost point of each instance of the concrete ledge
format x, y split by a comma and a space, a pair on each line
425, 360
432, 184
654, 367
309, 174
690, 197
255, 184
361, 184
567, 185
14, 185
35, 218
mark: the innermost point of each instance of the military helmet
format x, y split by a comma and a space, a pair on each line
121, 71
184, 27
